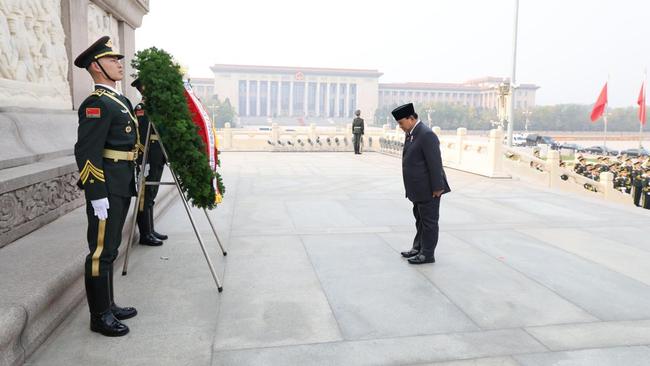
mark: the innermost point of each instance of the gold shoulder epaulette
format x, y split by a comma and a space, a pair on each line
100, 92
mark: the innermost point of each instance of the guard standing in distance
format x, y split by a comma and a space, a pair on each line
637, 183
357, 131
424, 181
153, 172
106, 150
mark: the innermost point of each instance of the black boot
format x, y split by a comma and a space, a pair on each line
153, 227
146, 237
121, 313
102, 319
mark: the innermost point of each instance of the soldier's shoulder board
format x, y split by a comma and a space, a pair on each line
93, 112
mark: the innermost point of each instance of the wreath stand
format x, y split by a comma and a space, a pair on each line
140, 200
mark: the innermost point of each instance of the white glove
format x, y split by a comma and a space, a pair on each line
146, 170
101, 208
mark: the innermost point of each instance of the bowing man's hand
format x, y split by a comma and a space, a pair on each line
437, 194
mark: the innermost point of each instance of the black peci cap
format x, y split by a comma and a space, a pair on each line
403, 111
101, 48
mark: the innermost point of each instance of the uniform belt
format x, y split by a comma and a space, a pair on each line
154, 138
119, 155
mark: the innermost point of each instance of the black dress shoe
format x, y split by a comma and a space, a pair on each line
421, 259
122, 313
410, 253
106, 324
150, 240
159, 235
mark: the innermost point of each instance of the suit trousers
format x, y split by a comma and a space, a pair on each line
426, 222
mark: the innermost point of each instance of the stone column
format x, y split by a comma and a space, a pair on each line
258, 102
291, 99
127, 48
74, 17
495, 151
327, 100
227, 136
607, 185
268, 98
553, 168
317, 104
337, 100
461, 132
248, 97
275, 132
312, 131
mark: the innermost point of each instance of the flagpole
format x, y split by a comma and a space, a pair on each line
605, 117
645, 79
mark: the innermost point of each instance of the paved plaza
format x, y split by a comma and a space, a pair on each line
524, 276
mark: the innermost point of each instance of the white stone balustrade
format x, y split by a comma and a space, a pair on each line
523, 165
476, 155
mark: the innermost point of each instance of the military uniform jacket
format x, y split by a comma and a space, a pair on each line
106, 121
357, 126
155, 155
422, 169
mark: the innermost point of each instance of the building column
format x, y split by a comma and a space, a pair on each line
268, 98
337, 101
327, 100
257, 100
347, 101
248, 98
317, 104
305, 99
291, 99
279, 101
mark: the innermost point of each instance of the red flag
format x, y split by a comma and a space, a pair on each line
599, 107
641, 103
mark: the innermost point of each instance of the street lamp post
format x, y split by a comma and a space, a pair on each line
504, 91
512, 77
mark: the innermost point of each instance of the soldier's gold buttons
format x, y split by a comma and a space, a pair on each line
128, 129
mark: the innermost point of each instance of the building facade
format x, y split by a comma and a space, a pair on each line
477, 93
296, 95
299, 95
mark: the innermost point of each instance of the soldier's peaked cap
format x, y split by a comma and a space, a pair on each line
136, 83
403, 111
101, 48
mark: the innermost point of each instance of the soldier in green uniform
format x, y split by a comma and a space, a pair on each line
637, 183
153, 172
357, 131
106, 150
645, 201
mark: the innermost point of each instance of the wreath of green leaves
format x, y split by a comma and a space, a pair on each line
167, 108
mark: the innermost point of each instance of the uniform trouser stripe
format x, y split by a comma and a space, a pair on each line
100, 247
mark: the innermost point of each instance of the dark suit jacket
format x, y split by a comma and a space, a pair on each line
422, 165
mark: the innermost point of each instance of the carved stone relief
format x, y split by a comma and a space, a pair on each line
25, 204
33, 59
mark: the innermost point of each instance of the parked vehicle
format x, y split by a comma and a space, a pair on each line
600, 150
535, 139
572, 147
636, 152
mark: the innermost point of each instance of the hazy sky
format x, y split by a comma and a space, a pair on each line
568, 47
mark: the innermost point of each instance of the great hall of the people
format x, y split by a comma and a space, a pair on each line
297, 95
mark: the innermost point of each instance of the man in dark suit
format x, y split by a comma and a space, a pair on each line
424, 180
